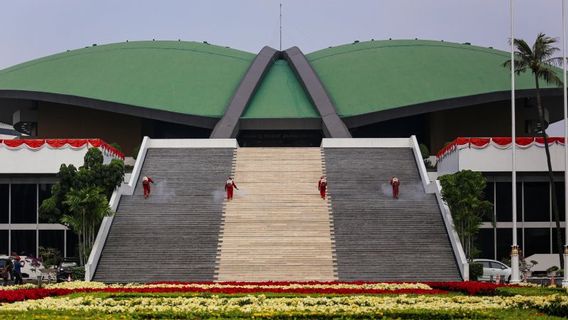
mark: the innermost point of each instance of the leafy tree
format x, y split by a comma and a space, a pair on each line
539, 60
86, 209
463, 192
80, 198
93, 173
50, 256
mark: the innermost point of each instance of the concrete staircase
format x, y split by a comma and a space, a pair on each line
173, 235
277, 227
376, 237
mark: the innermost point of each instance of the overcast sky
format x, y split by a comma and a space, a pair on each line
32, 29
35, 28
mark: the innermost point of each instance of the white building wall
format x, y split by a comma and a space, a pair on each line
43, 161
492, 159
26, 161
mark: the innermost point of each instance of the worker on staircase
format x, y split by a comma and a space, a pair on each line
229, 185
395, 183
322, 186
146, 185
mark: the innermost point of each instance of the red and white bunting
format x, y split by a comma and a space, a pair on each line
497, 142
76, 144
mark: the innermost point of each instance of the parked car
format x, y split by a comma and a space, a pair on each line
494, 268
65, 269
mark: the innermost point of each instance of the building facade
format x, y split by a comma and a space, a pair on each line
27, 173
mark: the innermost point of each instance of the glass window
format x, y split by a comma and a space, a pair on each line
560, 199
505, 241
488, 192
24, 203
24, 242
497, 265
562, 236
4, 242
485, 242
72, 245
537, 241
485, 264
52, 239
537, 201
44, 193
4, 202
504, 199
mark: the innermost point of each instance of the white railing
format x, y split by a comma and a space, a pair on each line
421, 166
436, 188
453, 235
124, 189
97, 249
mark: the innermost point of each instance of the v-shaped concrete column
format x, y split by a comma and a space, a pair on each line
228, 126
333, 126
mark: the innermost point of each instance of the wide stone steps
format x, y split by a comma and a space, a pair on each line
376, 237
277, 227
174, 234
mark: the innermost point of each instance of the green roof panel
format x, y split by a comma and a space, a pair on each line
280, 95
184, 77
199, 79
381, 75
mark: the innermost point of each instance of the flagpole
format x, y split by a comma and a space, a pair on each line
514, 248
564, 93
280, 27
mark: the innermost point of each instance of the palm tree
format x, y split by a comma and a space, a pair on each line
540, 61
87, 207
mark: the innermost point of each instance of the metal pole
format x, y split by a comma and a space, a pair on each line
280, 27
565, 280
514, 248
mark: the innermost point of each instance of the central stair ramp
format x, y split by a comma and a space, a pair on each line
277, 228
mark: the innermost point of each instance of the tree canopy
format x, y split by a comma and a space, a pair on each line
463, 193
93, 173
80, 198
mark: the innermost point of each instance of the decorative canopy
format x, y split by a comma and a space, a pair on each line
497, 142
38, 144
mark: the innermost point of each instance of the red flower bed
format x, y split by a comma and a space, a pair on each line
31, 294
472, 288
237, 290
39, 293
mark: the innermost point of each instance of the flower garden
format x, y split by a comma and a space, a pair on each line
283, 300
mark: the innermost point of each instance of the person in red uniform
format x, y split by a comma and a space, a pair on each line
146, 184
322, 186
229, 185
395, 183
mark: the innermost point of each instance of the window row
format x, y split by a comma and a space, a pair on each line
23, 242
533, 201
19, 203
496, 243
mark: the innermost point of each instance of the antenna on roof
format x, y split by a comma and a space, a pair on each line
280, 26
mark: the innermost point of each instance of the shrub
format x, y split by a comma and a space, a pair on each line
78, 273
475, 271
50, 256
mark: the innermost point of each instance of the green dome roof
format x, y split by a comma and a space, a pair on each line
376, 76
184, 77
199, 79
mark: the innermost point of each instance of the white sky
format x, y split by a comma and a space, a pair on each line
32, 29
35, 28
